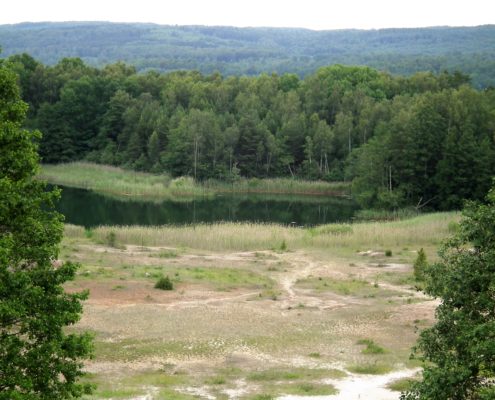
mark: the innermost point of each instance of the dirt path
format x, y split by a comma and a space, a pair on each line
302, 267
361, 387
205, 333
203, 302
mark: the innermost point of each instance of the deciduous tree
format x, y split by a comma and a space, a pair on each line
39, 360
460, 347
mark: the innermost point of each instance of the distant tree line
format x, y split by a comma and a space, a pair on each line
424, 140
252, 51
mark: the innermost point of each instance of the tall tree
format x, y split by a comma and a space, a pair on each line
38, 359
460, 348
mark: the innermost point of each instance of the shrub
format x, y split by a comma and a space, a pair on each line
111, 239
164, 283
420, 265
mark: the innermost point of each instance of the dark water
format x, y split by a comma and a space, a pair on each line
86, 208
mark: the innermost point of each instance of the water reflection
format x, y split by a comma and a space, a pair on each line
86, 208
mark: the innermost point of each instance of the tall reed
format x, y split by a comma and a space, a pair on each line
416, 232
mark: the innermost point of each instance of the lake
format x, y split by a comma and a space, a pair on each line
89, 209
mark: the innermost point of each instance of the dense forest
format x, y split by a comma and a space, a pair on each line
423, 140
251, 51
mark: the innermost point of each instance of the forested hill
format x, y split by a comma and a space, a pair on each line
250, 51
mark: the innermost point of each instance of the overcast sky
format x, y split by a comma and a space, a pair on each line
313, 14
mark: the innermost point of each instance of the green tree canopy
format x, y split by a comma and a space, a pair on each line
38, 359
460, 347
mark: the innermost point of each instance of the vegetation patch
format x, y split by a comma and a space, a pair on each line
307, 389
294, 374
164, 283
401, 385
348, 287
371, 347
370, 369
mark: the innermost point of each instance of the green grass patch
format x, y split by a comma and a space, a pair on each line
396, 278
347, 287
133, 349
216, 380
218, 278
293, 374
401, 385
307, 389
165, 254
370, 369
127, 184
171, 394
371, 347
331, 229
386, 215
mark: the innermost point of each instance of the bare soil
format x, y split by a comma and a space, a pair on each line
206, 339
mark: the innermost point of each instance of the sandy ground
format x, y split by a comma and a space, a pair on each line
358, 387
203, 329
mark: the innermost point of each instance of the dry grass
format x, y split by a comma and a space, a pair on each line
423, 231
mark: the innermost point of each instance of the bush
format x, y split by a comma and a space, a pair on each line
420, 265
111, 239
164, 283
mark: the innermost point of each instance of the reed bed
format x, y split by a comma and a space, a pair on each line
119, 182
125, 183
424, 230
279, 186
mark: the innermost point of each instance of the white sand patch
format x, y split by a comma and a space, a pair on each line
197, 391
152, 391
361, 387
240, 390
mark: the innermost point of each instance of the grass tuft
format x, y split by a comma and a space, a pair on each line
371, 347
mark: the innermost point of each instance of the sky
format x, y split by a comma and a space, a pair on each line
312, 14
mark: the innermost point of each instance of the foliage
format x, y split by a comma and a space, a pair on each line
164, 283
38, 359
460, 347
111, 239
420, 265
424, 141
251, 51
435, 151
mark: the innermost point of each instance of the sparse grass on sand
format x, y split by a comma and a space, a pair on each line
256, 311
131, 184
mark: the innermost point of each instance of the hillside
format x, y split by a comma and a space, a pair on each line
235, 51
